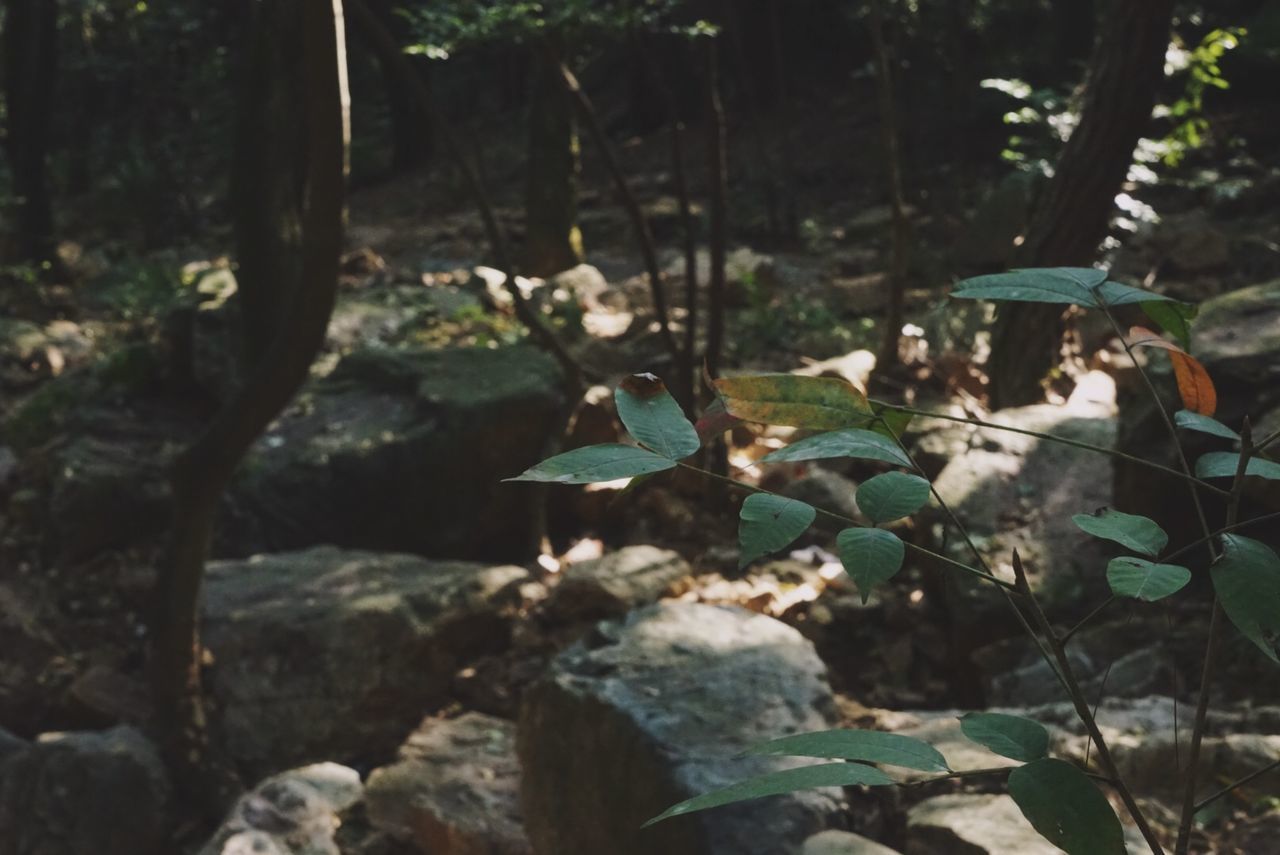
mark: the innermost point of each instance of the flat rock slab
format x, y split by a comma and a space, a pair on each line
982, 824
334, 653
656, 708
293, 813
844, 843
455, 789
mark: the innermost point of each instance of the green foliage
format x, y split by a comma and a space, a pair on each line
1203, 424
852, 442
596, 463
891, 496
1247, 581
870, 556
767, 523
1143, 580
1172, 317
1129, 530
778, 783
870, 746
1066, 808
654, 418
815, 403
1223, 464
1203, 73
1009, 736
1080, 286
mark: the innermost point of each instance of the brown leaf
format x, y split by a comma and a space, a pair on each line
1194, 384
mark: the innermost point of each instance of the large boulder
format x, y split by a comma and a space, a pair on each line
657, 708
614, 584
405, 451
327, 653
454, 790
293, 813
71, 793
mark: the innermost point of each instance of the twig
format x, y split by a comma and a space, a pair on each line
1082, 708
1210, 655
990, 770
1090, 616
1226, 529
1257, 773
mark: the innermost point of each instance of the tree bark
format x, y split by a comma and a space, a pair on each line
718, 227
1073, 214
552, 240
412, 138
202, 471
30, 65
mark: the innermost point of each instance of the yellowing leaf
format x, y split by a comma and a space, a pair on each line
1194, 384
817, 403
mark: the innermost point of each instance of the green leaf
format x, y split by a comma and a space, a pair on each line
1223, 464
892, 496
816, 403
594, 463
1066, 808
871, 746
1036, 285
891, 422
870, 556
1247, 581
767, 523
1143, 580
1009, 736
1194, 421
1129, 530
779, 783
654, 418
1115, 294
1174, 318
851, 442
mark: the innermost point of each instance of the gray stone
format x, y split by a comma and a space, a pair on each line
455, 789
404, 451
71, 793
331, 653
972, 824
614, 584
657, 708
844, 843
293, 813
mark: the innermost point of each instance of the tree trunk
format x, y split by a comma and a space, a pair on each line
552, 239
30, 63
1072, 216
412, 137
202, 471
717, 226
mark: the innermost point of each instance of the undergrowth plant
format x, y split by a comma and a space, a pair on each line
1063, 801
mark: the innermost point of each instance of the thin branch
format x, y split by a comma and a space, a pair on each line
989, 770
1090, 616
1061, 440
1210, 655
1082, 708
1255, 774
1224, 530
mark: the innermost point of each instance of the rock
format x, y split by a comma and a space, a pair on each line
293, 813
657, 708
455, 789
1014, 491
844, 843
404, 451
614, 584
343, 651
69, 794
965, 824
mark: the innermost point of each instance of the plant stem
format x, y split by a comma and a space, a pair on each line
1090, 616
751, 488
1081, 705
991, 770
1224, 530
1257, 773
1210, 654
1061, 440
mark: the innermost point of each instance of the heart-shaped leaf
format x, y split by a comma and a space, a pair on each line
870, 556
654, 418
1223, 464
1143, 580
869, 746
778, 783
1009, 736
1066, 808
1247, 581
594, 463
816, 403
1194, 421
851, 442
767, 523
1129, 530
891, 496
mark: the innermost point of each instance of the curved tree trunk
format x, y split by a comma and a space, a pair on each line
552, 239
30, 62
1072, 216
202, 471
